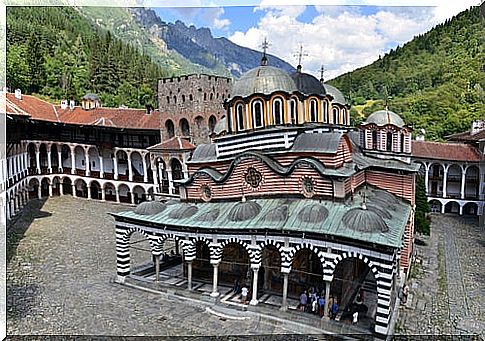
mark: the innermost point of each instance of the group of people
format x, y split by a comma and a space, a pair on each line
312, 302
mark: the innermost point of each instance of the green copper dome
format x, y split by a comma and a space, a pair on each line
263, 79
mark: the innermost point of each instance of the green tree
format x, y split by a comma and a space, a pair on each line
18, 72
421, 222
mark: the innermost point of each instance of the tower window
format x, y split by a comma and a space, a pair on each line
325, 111
258, 120
389, 141
293, 112
313, 111
344, 116
374, 139
277, 112
402, 142
335, 116
240, 117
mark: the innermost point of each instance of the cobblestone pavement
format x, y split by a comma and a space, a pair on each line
447, 293
60, 281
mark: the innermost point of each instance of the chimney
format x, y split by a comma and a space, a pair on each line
72, 104
64, 104
18, 94
477, 126
149, 109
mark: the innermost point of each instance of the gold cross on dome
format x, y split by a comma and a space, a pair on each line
265, 45
322, 70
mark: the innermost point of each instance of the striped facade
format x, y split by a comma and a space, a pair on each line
382, 264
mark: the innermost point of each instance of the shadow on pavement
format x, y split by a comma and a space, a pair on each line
17, 227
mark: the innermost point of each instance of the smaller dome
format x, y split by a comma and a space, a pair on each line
364, 220
182, 211
313, 213
209, 216
383, 117
263, 80
380, 211
279, 214
244, 211
150, 208
307, 84
338, 96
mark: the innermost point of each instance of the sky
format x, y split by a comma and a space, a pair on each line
339, 37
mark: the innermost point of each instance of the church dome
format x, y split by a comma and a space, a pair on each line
364, 220
383, 117
182, 211
313, 213
244, 211
337, 95
150, 208
307, 84
263, 79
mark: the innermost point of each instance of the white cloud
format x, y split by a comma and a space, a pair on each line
212, 15
341, 38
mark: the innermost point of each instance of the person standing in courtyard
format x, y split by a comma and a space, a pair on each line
303, 301
244, 294
355, 317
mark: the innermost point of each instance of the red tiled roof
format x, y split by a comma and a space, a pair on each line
467, 136
41, 110
445, 151
175, 143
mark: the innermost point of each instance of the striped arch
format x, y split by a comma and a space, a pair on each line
231, 240
307, 246
278, 246
152, 239
333, 264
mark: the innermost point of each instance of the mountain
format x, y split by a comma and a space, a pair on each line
56, 53
436, 81
200, 47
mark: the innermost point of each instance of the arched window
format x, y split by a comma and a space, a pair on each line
240, 116
313, 111
277, 111
293, 112
183, 98
175, 99
402, 142
211, 96
184, 127
258, 114
374, 139
169, 127
205, 96
344, 116
168, 99
335, 116
325, 111
389, 141
191, 97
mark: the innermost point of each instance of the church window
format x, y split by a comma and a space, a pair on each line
253, 177
293, 112
325, 111
308, 187
344, 116
277, 111
258, 119
389, 141
240, 117
205, 193
374, 139
313, 111
335, 116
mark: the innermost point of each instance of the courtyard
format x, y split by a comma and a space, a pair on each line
62, 264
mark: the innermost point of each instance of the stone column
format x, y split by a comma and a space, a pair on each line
327, 299
445, 181
171, 188
463, 178
39, 190
115, 166
145, 173
101, 167
254, 299
132, 196
49, 162
74, 190
88, 168
155, 180
426, 177
7, 206
103, 194
89, 192
189, 275
117, 195
61, 188
50, 189
130, 171
37, 161
157, 268
214, 292
284, 303
59, 161
73, 161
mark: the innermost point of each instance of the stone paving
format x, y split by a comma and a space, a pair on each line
60, 281
447, 285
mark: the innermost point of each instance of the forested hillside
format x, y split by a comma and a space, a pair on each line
435, 82
55, 52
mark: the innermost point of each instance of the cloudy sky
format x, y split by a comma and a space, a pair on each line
342, 36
